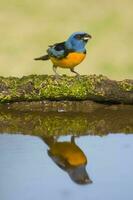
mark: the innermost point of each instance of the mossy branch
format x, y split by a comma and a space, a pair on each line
44, 87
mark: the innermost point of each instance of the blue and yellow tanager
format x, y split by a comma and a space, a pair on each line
67, 54
69, 157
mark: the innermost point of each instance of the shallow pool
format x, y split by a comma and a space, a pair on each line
59, 168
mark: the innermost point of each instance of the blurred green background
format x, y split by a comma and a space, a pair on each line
27, 27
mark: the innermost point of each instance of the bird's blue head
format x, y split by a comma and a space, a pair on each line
77, 41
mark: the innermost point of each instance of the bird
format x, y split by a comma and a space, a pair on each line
69, 157
67, 54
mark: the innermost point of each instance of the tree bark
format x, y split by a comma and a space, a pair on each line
44, 87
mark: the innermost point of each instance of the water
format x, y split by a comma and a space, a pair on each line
33, 168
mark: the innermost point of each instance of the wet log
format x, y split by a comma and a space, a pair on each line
44, 87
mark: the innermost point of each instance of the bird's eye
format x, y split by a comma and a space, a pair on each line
78, 37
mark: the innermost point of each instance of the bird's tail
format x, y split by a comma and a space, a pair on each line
45, 57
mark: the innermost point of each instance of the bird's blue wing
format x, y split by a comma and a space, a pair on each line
57, 50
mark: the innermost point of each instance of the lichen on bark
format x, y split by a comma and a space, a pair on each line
44, 87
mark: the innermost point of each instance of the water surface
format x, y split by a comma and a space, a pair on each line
29, 168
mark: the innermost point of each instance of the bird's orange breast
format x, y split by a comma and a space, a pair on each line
69, 152
70, 61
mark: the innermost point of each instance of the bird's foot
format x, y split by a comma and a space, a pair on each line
77, 76
57, 77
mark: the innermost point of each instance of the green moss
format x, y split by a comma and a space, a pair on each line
126, 85
42, 87
69, 87
35, 87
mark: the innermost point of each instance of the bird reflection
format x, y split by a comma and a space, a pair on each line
69, 157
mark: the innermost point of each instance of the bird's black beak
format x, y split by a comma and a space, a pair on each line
79, 175
87, 37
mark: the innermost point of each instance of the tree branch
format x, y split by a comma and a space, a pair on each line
44, 87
